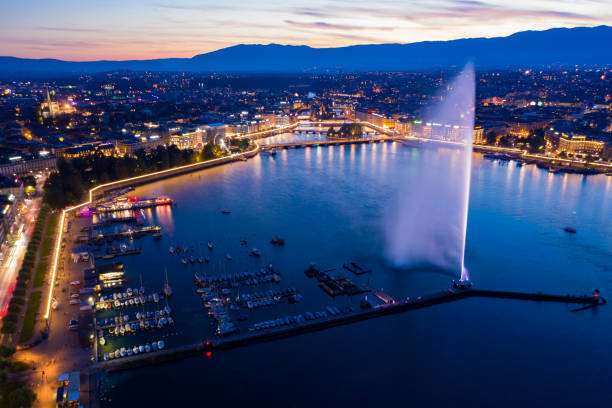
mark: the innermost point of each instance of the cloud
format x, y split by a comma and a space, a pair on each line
192, 8
327, 26
70, 29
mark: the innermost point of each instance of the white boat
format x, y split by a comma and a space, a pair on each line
135, 350
123, 352
147, 348
167, 309
164, 320
117, 353
161, 344
130, 352
122, 330
141, 348
155, 298
102, 341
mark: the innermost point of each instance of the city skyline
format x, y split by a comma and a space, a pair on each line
145, 29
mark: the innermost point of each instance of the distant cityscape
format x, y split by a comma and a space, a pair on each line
121, 113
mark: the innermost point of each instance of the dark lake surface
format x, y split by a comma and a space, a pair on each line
331, 204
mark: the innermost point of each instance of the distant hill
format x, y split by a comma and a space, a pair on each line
557, 46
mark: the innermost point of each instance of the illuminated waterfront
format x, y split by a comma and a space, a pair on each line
330, 204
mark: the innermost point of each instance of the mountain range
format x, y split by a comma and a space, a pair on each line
553, 47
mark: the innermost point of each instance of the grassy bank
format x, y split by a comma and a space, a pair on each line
29, 321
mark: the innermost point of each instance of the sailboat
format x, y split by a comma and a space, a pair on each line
167, 288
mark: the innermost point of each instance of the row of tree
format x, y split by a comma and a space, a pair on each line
74, 177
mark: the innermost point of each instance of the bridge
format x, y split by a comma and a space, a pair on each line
311, 126
330, 142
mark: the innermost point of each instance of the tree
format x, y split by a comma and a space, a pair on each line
536, 140
22, 397
490, 137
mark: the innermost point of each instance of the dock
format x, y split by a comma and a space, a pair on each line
131, 233
134, 205
245, 339
384, 297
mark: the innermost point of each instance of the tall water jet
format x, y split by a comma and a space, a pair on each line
428, 223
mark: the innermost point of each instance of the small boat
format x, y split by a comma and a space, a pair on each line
228, 257
184, 261
200, 260
157, 235
255, 252
277, 241
147, 348
192, 249
226, 212
171, 250
207, 259
569, 230
243, 241
161, 344
191, 260
102, 341
178, 249
141, 348
210, 245
135, 350
105, 356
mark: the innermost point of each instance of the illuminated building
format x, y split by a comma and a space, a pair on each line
8, 211
479, 135
129, 147
578, 144
19, 165
85, 150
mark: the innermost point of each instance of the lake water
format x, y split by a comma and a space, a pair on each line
330, 204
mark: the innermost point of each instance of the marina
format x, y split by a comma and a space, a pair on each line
329, 317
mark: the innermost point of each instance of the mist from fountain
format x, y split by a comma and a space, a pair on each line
427, 224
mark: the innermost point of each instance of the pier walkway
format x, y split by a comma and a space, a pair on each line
447, 296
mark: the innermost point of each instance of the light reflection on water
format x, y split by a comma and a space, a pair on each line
331, 211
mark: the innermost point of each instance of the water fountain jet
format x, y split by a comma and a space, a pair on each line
430, 230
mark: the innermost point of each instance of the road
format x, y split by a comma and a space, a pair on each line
12, 255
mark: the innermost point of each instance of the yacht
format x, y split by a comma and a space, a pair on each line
167, 288
184, 261
171, 250
210, 245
